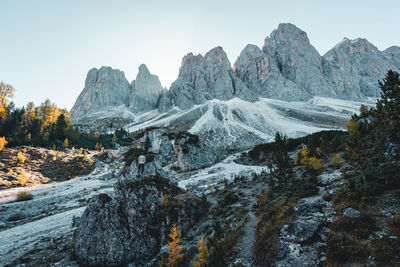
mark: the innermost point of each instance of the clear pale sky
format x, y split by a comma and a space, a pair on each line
48, 46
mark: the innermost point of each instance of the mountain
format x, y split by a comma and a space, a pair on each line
297, 59
146, 90
286, 68
107, 89
205, 78
355, 66
260, 72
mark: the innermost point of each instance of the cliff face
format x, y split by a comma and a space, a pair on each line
355, 66
297, 59
104, 87
108, 88
146, 90
204, 78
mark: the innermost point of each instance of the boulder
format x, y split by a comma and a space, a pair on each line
351, 213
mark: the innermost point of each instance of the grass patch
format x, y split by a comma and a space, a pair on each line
15, 217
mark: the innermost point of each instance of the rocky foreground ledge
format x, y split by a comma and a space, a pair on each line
132, 224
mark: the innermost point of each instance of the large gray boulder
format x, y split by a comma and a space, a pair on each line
297, 59
260, 73
104, 88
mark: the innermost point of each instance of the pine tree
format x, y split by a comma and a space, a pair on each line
388, 107
61, 126
280, 165
174, 249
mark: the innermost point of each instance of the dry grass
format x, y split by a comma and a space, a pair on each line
24, 196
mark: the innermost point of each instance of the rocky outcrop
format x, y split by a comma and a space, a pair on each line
104, 88
132, 224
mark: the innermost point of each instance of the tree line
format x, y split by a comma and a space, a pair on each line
47, 125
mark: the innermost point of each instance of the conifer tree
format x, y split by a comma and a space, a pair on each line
204, 255
174, 249
114, 138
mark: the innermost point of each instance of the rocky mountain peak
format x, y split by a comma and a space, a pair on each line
106, 87
218, 57
297, 59
205, 78
146, 90
359, 45
143, 69
288, 67
261, 74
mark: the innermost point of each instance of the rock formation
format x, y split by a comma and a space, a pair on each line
108, 88
132, 224
260, 72
297, 59
105, 87
146, 90
355, 66
204, 78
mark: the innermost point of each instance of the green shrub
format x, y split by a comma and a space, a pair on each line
24, 196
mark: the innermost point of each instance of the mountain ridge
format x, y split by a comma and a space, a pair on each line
287, 67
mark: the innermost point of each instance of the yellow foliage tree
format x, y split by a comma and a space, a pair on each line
352, 126
302, 158
21, 158
204, 255
174, 249
3, 142
316, 164
22, 178
165, 201
65, 144
336, 161
6, 91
